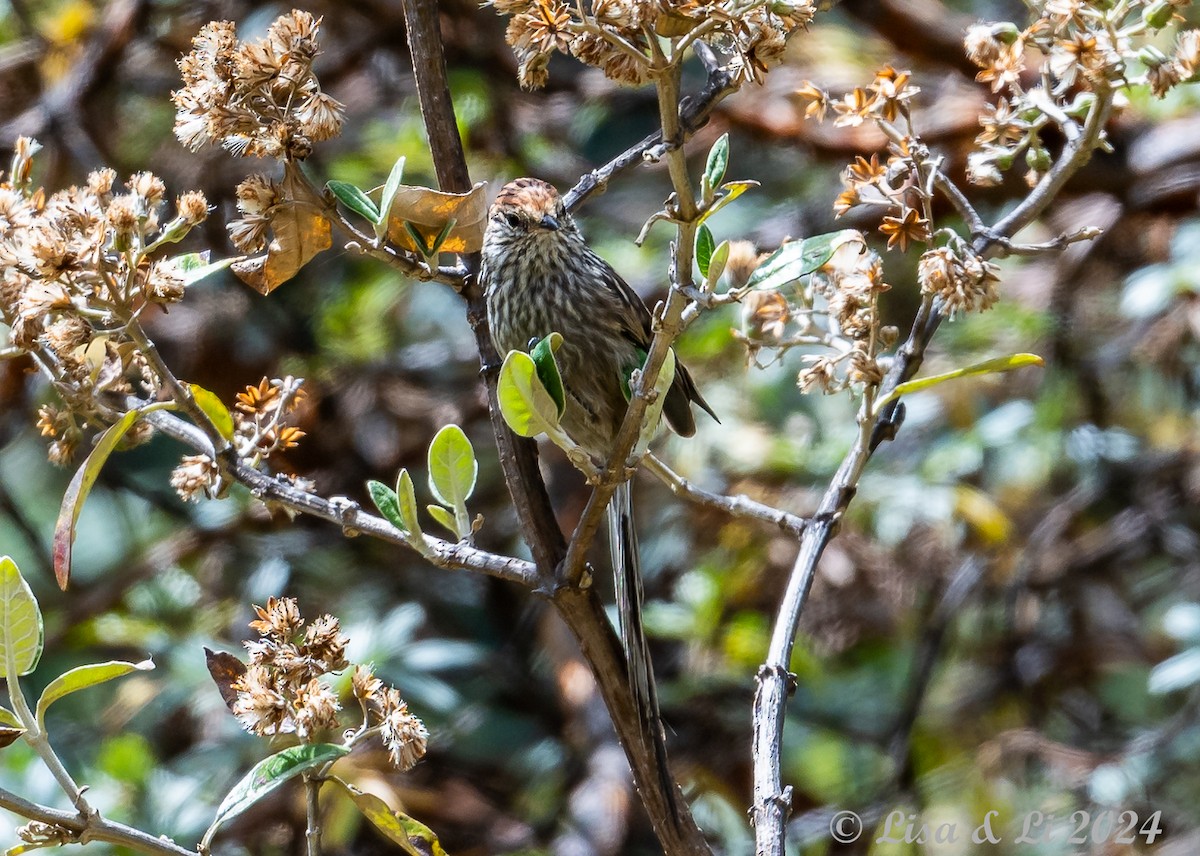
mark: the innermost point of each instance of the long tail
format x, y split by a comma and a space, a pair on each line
627, 569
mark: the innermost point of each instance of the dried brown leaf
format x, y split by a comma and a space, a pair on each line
429, 210
299, 230
225, 670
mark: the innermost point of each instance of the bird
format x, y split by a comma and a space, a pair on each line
540, 276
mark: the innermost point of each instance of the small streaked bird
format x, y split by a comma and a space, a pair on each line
541, 277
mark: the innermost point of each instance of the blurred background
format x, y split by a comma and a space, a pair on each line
1009, 619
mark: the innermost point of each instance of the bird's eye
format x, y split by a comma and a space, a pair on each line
513, 220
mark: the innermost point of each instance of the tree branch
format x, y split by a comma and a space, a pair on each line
775, 682
345, 513
736, 506
694, 113
92, 827
579, 606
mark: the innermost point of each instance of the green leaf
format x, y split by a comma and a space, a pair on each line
214, 409
716, 265
81, 678
387, 502
389, 196
452, 473
355, 199
1000, 364
732, 190
196, 266
77, 491
418, 239
525, 404
799, 258
547, 369
406, 494
704, 249
413, 837
445, 518
270, 773
7, 717
718, 161
21, 630
442, 236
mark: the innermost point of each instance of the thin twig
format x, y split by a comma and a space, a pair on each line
312, 805
345, 513
91, 827
693, 114
737, 506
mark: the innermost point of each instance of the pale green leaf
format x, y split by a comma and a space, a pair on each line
77, 491
406, 494
527, 407
716, 266
270, 773
452, 467
444, 517
390, 189
196, 266
731, 191
799, 258
82, 677
412, 836
355, 199
214, 409
21, 630
718, 161
7, 717
1000, 364
654, 411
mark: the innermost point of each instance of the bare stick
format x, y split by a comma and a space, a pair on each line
736, 506
91, 827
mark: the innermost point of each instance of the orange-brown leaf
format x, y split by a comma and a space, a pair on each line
429, 210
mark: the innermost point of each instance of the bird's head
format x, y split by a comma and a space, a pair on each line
528, 209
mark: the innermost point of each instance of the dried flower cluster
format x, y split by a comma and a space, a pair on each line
893, 187
1081, 48
76, 269
258, 417
259, 432
960, 279
850, 285
404, 735
616, 35
281, 691
256, 98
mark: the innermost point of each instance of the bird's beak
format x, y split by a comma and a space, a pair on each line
549, 223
